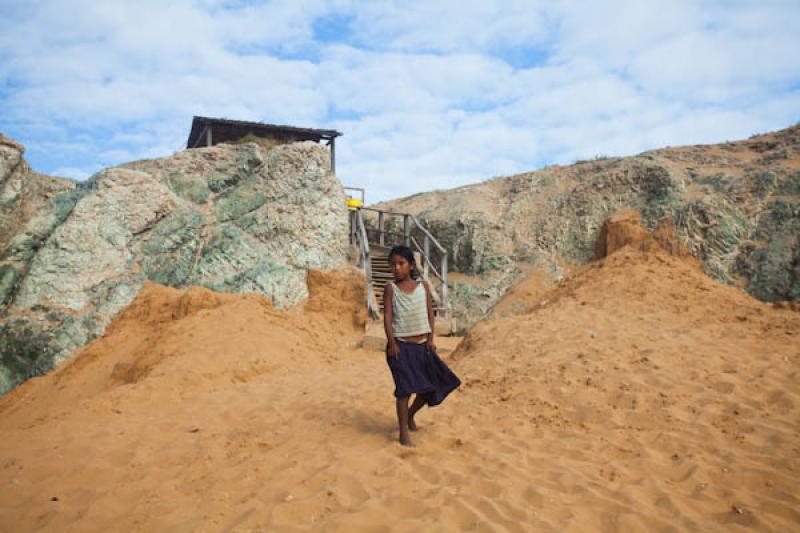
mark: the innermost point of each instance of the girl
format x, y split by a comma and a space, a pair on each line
410, 352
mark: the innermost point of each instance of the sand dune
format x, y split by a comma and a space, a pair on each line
662, 399
638, 394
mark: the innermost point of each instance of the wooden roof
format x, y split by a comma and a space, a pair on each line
225, 130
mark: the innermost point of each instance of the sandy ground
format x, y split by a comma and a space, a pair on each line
636, 395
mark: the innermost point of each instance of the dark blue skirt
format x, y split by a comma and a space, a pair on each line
420, 371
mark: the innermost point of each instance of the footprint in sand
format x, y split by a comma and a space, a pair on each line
723, 387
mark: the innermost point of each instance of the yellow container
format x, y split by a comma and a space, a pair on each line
354, 203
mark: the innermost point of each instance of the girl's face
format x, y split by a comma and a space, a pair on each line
400, 266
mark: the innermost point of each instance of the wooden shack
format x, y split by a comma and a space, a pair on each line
210, 131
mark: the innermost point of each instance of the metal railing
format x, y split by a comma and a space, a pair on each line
358, 236
357, 190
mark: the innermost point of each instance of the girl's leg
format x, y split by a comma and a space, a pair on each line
402, 421
418, 403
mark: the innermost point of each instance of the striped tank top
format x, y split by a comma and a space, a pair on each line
410, 311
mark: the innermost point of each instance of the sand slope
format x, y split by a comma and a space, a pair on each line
653, 397
638, 394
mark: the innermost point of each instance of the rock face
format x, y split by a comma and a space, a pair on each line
229, 218
735, 206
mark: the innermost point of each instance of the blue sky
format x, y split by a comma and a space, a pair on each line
428, 94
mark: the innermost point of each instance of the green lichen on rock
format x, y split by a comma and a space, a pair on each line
190, 187
63, 203
763, 183
243, 168
470, 251
472, 300
219, 182
660, 193
25, 352
49, 216
169, 252
226, 242
230, 262
492, 264
713, 229
719, 181
790, 186
773, 260
68, 335
285, 283
239, 203
8, 277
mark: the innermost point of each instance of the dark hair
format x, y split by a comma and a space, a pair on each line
406, 253
403, 251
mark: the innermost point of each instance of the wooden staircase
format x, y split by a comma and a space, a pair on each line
372, 257
382, 274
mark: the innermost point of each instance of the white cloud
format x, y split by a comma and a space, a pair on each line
373, 82
72, 172
428, 94
114, 157
451, 26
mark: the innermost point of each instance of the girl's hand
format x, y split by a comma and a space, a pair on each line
392, 349
429, 343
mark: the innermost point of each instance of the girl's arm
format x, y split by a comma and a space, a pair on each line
391, 345
429, 301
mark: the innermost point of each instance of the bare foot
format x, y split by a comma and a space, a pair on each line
412, 426
406, 441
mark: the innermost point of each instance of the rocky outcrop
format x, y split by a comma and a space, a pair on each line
229, 218
735, 206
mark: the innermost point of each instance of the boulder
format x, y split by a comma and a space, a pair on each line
241, 218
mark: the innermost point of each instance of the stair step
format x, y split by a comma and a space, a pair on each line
382, 273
